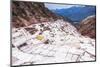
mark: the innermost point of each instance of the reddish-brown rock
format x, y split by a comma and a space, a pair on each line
27, 13
88, 27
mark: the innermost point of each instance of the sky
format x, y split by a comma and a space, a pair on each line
60, 6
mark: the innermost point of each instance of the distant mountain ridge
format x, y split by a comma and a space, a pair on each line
76, 14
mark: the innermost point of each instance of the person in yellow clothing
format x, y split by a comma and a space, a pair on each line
40, 37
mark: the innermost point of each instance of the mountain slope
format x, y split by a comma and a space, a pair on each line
51, 42
88, 26
27, 13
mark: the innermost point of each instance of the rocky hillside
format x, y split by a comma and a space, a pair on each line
27, 13
88, 27
49, 42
